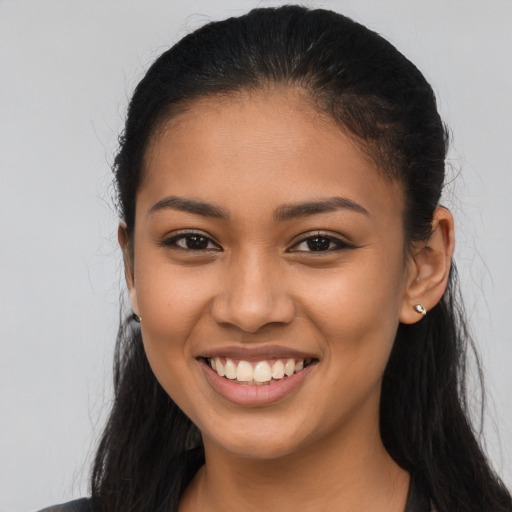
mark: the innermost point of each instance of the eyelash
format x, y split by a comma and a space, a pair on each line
173, 241
339, 243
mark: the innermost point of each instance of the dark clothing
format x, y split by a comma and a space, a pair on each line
417, 499
81, 505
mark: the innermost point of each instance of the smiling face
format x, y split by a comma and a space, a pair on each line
265, 240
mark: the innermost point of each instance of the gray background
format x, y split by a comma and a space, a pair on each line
67, 69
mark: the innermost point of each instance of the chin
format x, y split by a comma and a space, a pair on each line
263, 442
257, 449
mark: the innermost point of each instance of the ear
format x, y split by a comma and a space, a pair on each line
127, 248
429, 267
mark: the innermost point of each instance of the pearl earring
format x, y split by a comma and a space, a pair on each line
420, 309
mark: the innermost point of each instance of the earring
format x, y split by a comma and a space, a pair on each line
136, 317
420, 309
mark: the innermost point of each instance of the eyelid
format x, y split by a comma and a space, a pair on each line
169, 240
339, 240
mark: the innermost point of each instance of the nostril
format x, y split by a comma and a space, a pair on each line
252, 312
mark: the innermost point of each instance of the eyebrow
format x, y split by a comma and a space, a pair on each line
282, 213
330, 204
190, 206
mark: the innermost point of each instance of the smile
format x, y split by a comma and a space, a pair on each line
256, 378
257, 373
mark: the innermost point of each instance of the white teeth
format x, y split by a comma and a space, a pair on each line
289, 367
230, 369
262, 372
244, 372
219, 367
278, 370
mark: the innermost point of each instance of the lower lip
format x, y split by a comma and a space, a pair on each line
254, 395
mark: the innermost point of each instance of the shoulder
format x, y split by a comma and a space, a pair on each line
183, 469
81, 505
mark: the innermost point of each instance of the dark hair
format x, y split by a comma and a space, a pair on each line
380, 99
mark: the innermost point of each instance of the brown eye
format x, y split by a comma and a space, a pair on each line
319, 243
191, 242
195, 242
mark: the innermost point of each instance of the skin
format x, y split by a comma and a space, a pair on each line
257, 283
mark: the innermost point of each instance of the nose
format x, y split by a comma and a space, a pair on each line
253, 295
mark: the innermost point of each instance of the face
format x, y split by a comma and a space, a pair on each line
268, 246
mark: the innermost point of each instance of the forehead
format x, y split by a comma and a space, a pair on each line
260, 145
271, 116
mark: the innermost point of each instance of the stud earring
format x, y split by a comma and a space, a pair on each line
420, 309
136, 317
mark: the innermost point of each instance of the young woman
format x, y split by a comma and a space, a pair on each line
296, 341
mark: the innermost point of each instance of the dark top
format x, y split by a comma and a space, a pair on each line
417, 498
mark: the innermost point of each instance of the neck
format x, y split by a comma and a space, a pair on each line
355, 473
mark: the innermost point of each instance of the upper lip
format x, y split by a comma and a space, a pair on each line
257, 353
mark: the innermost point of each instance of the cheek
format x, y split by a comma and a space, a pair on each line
171, 304
170, 298
168, 319
357, 307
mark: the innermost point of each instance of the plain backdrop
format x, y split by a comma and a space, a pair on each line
67, 69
